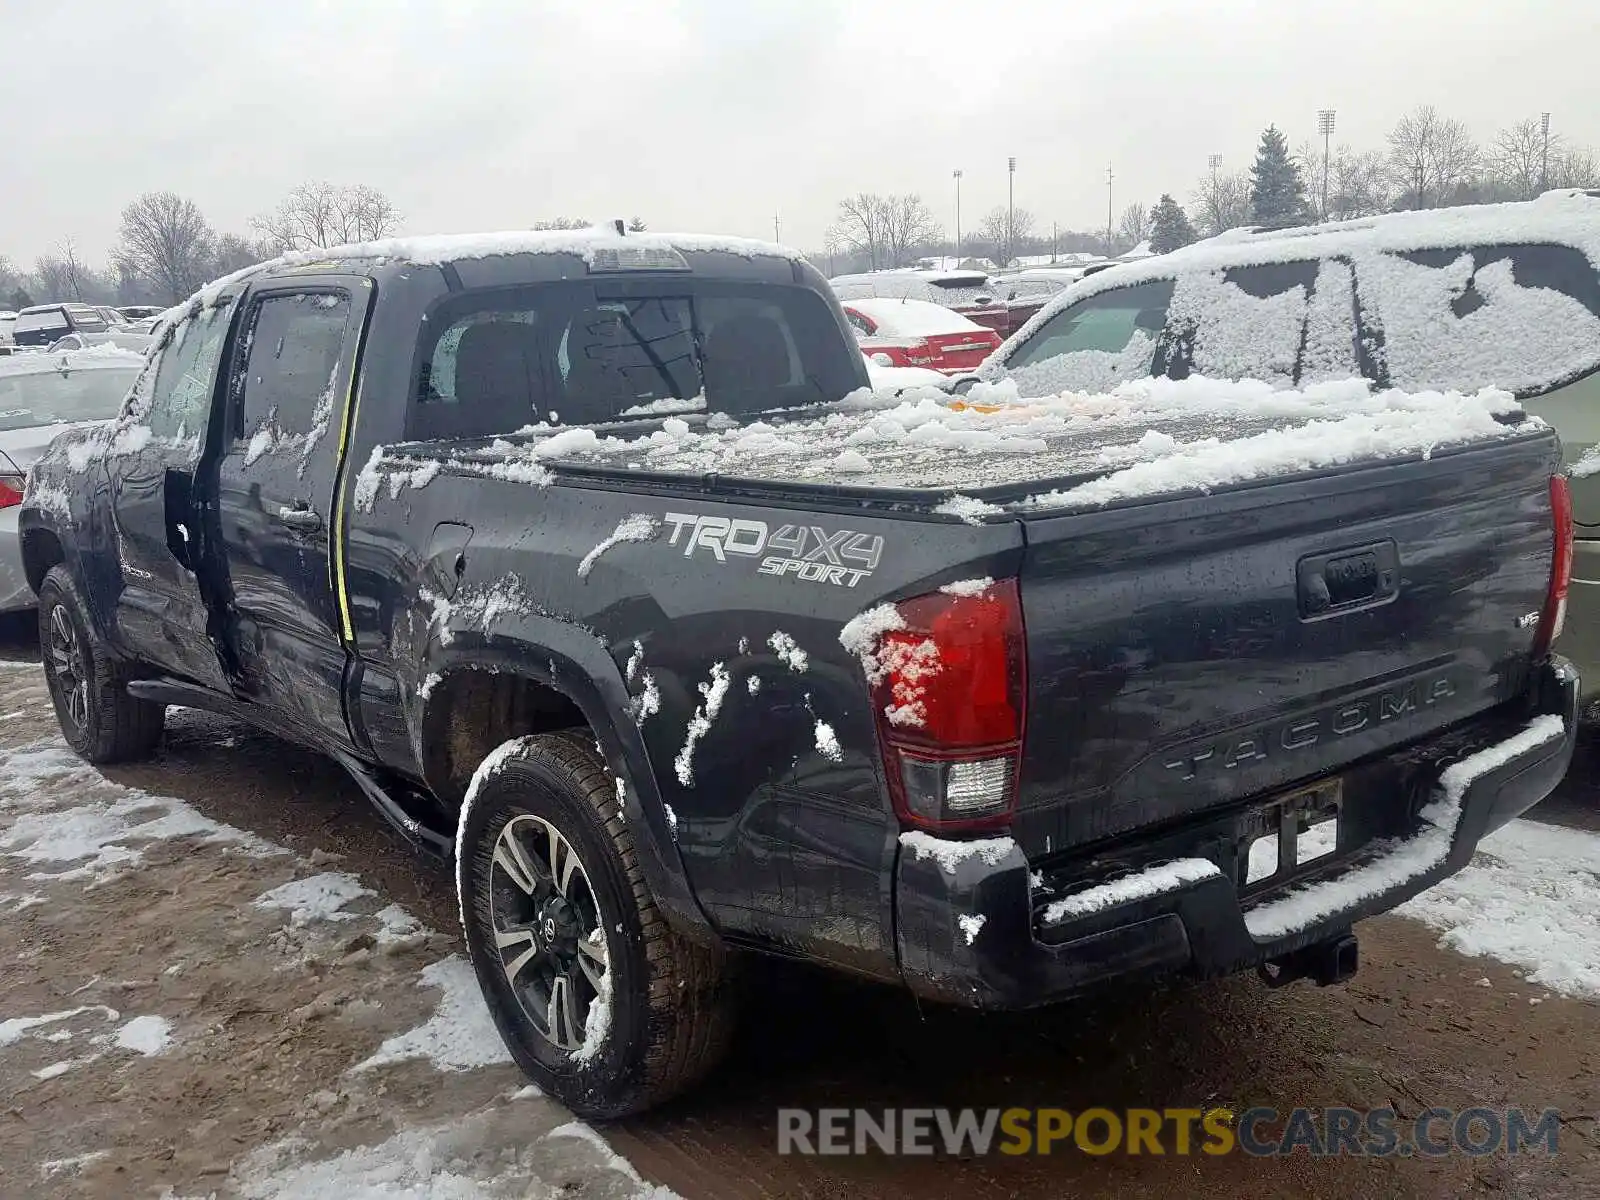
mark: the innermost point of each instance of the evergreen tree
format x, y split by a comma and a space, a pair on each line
636, 225
1277, 193
1171, 226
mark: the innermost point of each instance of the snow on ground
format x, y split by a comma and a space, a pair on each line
57, 812
459, 1036
319, 898
1531, 898
103, 835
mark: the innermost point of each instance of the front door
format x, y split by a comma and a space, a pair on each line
275, 488
161, 612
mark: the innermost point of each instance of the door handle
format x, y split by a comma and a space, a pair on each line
305, 519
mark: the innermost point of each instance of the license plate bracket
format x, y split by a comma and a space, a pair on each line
1289, 835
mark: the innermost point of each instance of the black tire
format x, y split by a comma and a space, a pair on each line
88, 684
671, 1006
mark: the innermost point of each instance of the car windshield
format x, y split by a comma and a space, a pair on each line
46, 397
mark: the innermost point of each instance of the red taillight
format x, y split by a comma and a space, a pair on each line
11, 489
949, 689
1554, 615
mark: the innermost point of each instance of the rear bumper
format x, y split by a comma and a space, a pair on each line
972, 927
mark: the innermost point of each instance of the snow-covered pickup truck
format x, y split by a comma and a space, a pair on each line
594, 561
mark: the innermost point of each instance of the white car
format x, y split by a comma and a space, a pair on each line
8, 320
41, 395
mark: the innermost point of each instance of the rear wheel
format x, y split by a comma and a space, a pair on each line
597, 998
88, 685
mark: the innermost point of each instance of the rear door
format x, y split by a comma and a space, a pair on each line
291, 373
161, 613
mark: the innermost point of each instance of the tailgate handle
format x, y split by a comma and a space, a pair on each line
1348, 580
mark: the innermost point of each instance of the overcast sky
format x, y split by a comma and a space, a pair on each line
712, 115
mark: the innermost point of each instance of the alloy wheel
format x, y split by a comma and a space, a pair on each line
547, 930
67, 666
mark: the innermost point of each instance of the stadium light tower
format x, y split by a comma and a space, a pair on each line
1325, 128
1011, 207
956, 174
1544, 169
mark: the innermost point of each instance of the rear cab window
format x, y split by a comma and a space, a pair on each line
591, 353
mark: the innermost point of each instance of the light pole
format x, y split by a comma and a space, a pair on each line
775, 235
1011, 208
1325, 128
956, 174
1108, 210
1544, 169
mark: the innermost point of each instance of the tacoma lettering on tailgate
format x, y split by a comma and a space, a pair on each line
1291, 735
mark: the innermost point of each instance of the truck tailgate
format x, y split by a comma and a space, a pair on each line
1186, 653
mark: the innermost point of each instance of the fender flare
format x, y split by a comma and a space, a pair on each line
575, 663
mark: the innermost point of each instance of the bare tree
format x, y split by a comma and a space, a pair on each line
1516, 158
907, 224
64, 276
1358, 185
558, 223
319, 214
166, 240
1002, 230
1221, 202
860, 225
1574, 168
234, 253
1429, 156
1135, 225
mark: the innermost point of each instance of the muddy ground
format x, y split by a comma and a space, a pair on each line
213, 1047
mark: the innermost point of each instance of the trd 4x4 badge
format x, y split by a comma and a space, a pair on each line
841, 557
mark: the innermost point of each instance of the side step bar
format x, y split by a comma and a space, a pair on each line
391, 807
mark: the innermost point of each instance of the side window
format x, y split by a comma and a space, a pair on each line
1524, 318
180, 403
1245, 322
860, 324
1095, 344
293, 345
1329, 351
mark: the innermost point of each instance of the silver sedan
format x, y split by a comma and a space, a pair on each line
42, 395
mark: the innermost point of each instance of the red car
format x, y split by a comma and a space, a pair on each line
971, 293
914, 333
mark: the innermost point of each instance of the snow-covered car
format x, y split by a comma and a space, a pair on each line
122, 337
970, 293
41, 396
1026, 292
140, 312
42, 324
1488, 296
8, 321
915, 333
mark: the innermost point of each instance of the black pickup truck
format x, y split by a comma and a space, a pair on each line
591, 561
